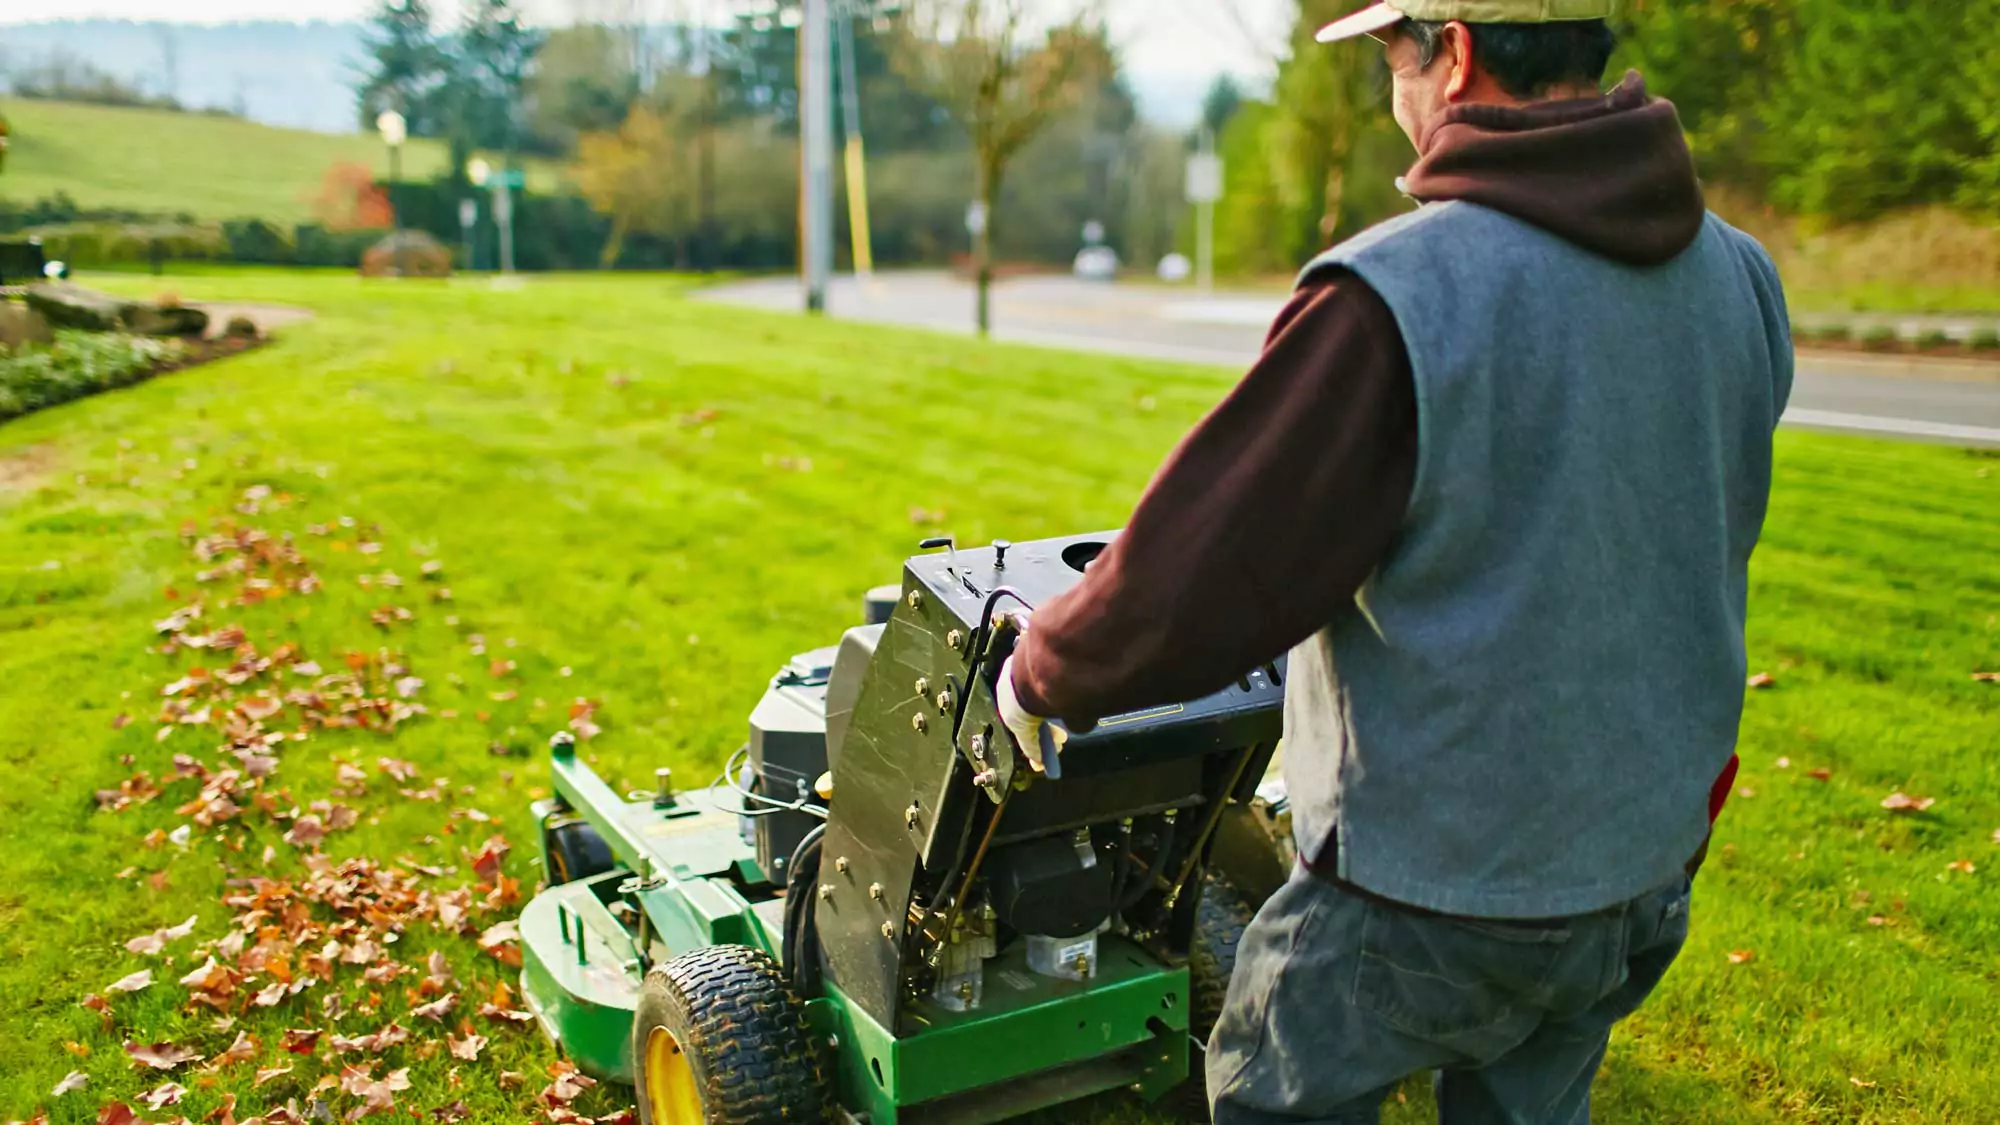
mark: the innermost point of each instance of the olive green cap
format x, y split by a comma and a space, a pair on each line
1376, 17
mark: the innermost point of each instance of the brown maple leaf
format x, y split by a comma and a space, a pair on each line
267, 1073
467, 1048
242, 1050
300, 1040
163, 1095
162, 1056
436, 1009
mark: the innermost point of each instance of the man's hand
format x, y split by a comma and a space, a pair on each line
1039, 738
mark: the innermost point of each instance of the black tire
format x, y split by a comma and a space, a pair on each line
1218, 927
576, 851
742, 1034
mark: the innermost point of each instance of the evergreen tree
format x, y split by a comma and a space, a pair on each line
407, 66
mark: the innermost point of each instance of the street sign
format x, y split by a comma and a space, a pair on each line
1204, 178
975, 217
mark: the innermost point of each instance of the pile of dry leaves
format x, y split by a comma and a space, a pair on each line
349, 953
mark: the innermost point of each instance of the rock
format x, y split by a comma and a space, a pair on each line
73, 306
20, 324
165, 320
409, 253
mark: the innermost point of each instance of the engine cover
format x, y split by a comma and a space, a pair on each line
1058, 886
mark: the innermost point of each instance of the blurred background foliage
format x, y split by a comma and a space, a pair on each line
1840, 131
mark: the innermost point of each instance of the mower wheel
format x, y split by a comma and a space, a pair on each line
721, 1039
577, 851
1219, 921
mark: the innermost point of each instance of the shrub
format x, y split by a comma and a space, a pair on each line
96, 245
1831, 332
1984, 340
76, 365
1880, 338
1934, 338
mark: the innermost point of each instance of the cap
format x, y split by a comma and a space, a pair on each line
1376, 17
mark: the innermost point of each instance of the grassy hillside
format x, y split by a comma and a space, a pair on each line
211, 167
652, 503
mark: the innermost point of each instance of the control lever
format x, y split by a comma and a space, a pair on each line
950, 546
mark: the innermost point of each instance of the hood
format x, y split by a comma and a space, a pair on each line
1612, 174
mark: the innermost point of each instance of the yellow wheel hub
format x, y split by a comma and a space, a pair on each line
669, 1092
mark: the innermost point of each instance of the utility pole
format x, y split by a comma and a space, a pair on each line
857, 161
816, 150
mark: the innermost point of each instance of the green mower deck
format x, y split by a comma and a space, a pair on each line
1036, 1042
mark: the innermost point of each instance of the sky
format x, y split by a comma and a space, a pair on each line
1189, 40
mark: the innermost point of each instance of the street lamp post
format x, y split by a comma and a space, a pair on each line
395, 130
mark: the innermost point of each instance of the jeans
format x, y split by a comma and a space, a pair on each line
1336, 998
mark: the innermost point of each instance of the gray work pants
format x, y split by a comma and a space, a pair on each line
1337, 998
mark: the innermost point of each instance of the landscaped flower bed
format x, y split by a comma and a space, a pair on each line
78, 364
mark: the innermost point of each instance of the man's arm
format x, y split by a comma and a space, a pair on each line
1257, 531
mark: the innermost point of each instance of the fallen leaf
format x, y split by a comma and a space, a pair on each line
163, 1095
467, 1048
1878, 920
300, 1040
74, 1080
1761, 681
153, 943
456, 1111
436, 1009
117, 1113
266, 1074
242, 1050
1741, 956
133, 983
1783, 763
1859, 1084
1986, 677
1902, 803
162, 1056
376, 1097
1821, 774
1963, 866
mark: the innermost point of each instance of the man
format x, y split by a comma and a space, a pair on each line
1494, 483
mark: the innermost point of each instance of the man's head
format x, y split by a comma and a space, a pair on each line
1443, 53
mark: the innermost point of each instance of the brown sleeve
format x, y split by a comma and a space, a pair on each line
1256, 532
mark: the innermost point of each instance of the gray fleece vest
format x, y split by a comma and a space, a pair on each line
1524, 712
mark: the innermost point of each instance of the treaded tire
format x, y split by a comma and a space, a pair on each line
577, 851
743, 1034
1220, 918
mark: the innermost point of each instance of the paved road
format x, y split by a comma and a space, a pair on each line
1931, 401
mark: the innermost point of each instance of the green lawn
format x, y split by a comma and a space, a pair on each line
651, 503
214, 168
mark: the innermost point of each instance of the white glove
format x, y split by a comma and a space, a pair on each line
1040, 739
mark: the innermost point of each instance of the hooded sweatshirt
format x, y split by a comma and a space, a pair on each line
1270, 515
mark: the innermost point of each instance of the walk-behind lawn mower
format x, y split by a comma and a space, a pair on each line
880, 914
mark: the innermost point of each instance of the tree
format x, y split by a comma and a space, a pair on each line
637, 176
1327, 97
492, 57
1003, 81
1220, 104
407, 67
